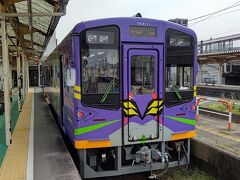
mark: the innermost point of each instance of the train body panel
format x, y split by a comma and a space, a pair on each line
123, 88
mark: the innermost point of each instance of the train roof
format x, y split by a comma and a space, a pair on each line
131, 21
123, 21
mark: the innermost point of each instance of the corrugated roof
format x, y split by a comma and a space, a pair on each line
31, 23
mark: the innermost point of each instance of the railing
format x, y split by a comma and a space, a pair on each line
205, 51
227, 103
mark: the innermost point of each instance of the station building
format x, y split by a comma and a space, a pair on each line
220, 55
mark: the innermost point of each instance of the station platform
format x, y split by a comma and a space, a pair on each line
37, 150
215, 132
218, 146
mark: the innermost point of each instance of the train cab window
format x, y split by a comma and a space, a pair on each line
179, 77
178, 67
100, 67
142, 75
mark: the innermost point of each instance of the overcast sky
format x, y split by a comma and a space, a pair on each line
83, 10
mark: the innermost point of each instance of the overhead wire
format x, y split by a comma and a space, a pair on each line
231, 6
226, 13
212, 15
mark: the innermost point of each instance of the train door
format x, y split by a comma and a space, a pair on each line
142, 94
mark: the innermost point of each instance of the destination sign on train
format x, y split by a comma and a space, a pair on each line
99, 37
141, 31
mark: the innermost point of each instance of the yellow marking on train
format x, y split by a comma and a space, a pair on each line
129, 105
195, 88
185, 135
86, 144
77, 96
160, 108
153, 111
194, 94
77, 88
132, 112
155, 104
126, 111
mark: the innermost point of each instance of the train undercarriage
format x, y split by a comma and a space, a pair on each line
114, 161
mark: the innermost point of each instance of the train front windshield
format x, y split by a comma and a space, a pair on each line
179, 68
100, 67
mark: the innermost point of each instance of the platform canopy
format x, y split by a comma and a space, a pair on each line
30, 25
218, 57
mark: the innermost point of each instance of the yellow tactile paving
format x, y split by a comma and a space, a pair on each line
14, 166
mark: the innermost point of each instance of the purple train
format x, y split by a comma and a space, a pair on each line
124, 93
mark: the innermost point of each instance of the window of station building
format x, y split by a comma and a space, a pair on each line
214, 47
142, 74
208, 48
228, 67
179, 74
204, 48
220, 46
100, 67
226, 45
236, 43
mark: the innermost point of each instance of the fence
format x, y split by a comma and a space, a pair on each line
227, 103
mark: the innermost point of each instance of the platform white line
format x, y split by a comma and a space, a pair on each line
30, 145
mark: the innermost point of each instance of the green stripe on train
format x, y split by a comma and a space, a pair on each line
183, 120
93, 127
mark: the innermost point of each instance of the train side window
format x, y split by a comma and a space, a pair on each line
71, 77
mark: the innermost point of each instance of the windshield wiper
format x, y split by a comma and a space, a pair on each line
177, 92
107, 92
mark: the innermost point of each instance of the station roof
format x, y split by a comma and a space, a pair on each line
219, 57
30, 24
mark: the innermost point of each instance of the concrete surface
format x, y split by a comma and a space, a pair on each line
217, 146
51, 158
